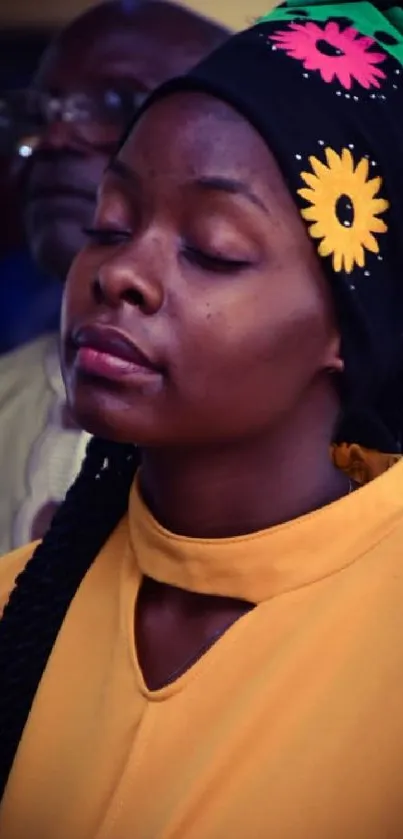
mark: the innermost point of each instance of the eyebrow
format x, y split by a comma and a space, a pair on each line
123, 171
122, 81
209, 183
232, 187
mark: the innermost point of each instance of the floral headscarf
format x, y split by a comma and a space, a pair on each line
323, 84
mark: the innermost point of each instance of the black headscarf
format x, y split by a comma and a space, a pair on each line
323, 85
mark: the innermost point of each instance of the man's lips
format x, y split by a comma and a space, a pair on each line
59, 191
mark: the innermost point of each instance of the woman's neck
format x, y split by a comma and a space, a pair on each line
233, 489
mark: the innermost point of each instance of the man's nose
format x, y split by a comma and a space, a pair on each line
58, 134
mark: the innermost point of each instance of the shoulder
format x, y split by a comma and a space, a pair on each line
31, 352
22, 360
11, 566
24, 373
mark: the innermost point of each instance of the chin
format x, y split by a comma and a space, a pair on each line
117, 424
99, 423
114, 410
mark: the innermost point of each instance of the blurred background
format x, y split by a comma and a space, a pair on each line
47, 14
26, 27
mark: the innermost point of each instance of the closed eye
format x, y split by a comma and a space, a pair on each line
210, 262
107, 236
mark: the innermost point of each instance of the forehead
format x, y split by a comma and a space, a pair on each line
190, 135
95, 51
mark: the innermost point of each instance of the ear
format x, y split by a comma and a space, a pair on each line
333, 361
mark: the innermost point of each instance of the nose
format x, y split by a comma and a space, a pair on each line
125, 280
58, 134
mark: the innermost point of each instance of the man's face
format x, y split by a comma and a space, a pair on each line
87, 89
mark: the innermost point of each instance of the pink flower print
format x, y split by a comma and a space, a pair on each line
335, 53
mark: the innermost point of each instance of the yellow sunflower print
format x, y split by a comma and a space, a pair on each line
342, 184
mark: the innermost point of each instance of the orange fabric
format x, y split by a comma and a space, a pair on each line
289, 727
362, 465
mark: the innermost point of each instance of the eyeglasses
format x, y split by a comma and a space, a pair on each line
96, 118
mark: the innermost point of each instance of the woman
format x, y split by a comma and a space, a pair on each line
216, 649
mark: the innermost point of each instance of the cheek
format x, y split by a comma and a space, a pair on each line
256, 357
77, 290
265, 328
292, 334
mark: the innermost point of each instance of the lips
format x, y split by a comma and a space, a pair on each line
105, 350
56, 191
56, 175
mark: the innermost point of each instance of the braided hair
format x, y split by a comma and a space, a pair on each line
46, 587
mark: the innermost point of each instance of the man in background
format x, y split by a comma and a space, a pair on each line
29, 299
88, 87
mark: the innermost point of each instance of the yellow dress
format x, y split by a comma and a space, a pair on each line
289, 727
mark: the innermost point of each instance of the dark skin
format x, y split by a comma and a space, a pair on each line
112, 46
218, 283
109, 47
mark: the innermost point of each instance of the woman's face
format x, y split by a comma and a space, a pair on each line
197, 313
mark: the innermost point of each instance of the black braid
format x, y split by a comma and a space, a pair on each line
44, 590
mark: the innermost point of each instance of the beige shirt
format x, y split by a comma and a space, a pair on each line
40, 451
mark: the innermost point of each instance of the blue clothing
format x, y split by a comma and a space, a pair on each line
29, 301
